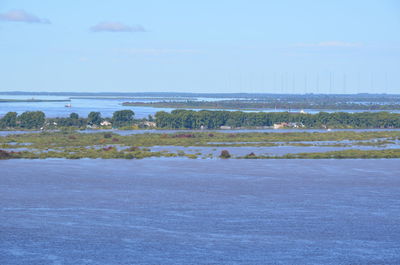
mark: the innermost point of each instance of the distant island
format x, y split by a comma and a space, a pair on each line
364, 97
258, 105
33, 100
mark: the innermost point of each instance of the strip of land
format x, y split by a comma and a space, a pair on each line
33, 100
259, 105
74, 145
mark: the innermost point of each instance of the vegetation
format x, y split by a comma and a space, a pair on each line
94, 118
71, 138
122, 118
31, 119
72, 121
9, 120
348, 154
70, 144
344, 154
225, 154
37, 120
189, 119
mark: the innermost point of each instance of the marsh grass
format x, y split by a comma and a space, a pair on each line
75, 145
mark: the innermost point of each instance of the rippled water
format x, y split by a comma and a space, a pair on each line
203, 151
130, 132
178, 211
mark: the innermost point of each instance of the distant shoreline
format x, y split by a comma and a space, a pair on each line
260, 105
191, 94
33, 100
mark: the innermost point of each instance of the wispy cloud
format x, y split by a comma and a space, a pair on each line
22, 16
327, 44
116, 27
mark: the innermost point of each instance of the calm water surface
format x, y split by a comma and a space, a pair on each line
130, 132
181, 211
83, 106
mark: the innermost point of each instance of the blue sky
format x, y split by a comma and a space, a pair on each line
200, 46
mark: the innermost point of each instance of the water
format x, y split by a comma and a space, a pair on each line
214, 152
130, 132
106, 106
81, 106
257, 150
179, 211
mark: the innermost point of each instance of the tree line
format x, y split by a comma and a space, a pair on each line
37, 120
189, 119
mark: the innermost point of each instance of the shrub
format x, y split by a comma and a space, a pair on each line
107, 135
182, 135
5, 154
225, 154
133, 148
251, 155
108, 148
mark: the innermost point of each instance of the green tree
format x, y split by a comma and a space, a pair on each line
122, 118
32, 119
94, 118
189, 119
9, 120
74, 116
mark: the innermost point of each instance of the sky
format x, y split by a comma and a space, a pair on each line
253, 46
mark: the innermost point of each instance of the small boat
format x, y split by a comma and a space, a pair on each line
68, 105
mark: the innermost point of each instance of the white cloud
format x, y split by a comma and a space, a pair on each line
22, 16
116, 27
325, 44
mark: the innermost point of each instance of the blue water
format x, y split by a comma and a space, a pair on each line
179, 211
106, 107
81, 106
130, 132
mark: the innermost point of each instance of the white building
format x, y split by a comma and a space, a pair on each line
105, 123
